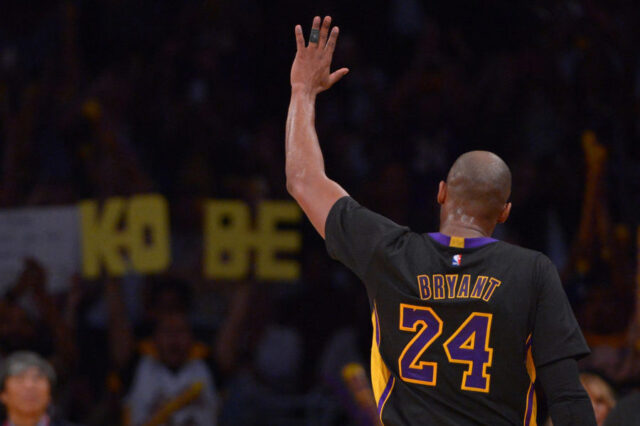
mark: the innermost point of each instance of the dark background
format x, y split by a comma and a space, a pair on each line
189, 99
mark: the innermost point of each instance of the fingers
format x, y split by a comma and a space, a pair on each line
299, 38
333, 39
315, 32
324, 31
335, 76
318, 35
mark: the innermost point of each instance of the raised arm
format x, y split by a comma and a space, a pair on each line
310, 75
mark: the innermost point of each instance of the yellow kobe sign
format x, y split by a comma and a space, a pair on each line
125, 235
230, 239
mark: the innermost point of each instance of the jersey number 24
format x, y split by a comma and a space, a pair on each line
469, 345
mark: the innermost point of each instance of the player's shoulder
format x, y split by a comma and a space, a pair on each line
520, 254
517, 250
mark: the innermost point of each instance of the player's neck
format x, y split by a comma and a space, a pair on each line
465, 230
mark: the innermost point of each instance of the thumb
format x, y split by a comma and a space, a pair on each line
335, 76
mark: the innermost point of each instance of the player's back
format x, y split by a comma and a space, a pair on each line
457, 322
454, 326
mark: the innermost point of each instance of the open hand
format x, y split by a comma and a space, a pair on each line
310, 71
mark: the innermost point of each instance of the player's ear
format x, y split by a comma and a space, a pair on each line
504, 214
442, 192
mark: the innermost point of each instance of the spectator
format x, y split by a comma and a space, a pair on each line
41, 328
167, 377
26, 381
601, 395
626, 412
172, 379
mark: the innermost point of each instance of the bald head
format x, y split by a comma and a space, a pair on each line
481, 182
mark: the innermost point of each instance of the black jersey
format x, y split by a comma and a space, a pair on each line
459, 325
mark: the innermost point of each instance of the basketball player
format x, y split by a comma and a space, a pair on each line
464, 326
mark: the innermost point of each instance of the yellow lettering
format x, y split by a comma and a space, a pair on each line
101, 238
493, 284
227, 231
230, 238
478, 287
463, 291
271, 241
424, 286
438, 286
139, 228
149, 241
452, 279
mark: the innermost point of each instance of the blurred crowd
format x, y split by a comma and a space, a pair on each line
107, 97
